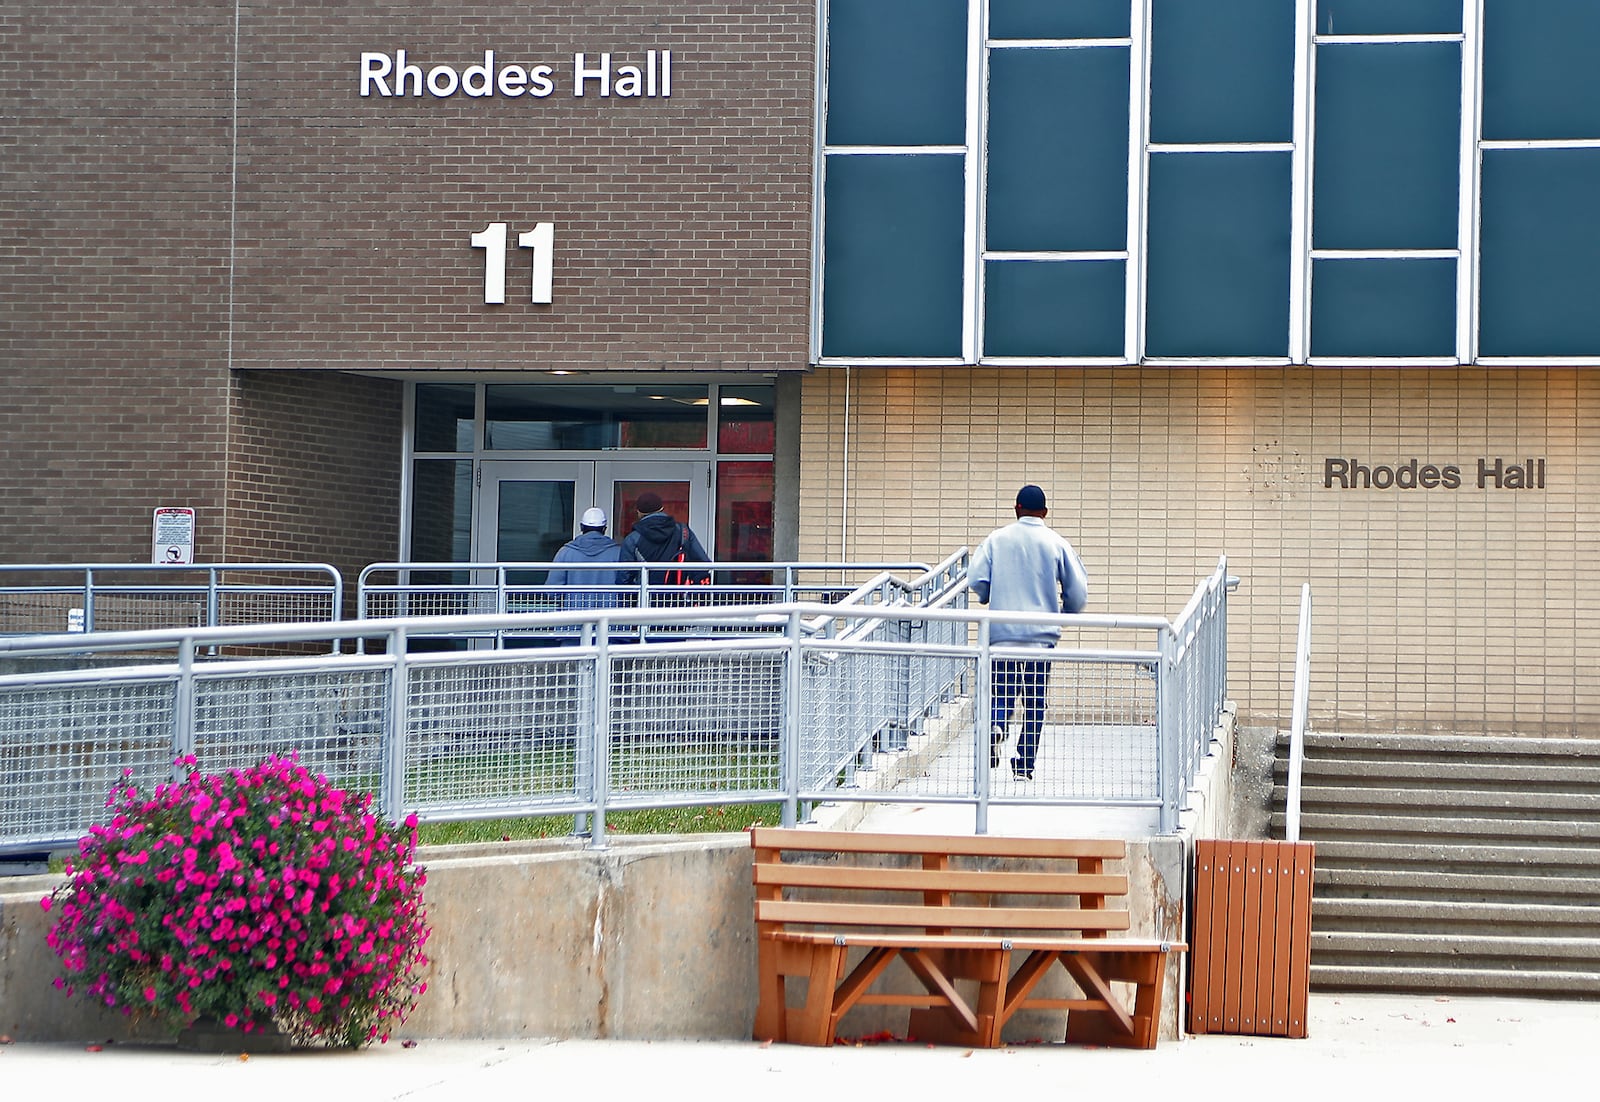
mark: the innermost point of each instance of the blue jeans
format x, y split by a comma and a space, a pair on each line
1019, 682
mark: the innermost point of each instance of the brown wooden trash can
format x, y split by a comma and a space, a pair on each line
1250, 955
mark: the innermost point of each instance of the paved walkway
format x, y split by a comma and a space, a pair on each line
1389, 1046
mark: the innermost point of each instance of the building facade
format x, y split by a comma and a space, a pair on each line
1305, 283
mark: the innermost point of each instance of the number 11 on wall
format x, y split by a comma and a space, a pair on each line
492, 240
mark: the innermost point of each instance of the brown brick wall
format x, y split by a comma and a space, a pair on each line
315, 475
114, 167
682, 224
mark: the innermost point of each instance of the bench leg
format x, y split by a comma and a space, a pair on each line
813, 1023
1117, 1027
978, 1027
770, 1002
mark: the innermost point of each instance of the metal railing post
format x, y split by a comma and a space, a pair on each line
1169, 753
600, 738
392, 791
88, 599
183, 707
789, 757
981, 712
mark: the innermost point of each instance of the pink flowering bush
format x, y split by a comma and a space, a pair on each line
256, 897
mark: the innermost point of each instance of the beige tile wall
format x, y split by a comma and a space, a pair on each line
1469, 609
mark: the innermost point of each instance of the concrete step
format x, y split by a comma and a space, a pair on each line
1327, 746
1579, 955
1456, 981
1317, 826
1452, 864
1489, 857
1489, 772
1456, 802
1450, 918
1462, 885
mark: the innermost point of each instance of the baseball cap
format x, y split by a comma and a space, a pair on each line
1031, 498
593, 518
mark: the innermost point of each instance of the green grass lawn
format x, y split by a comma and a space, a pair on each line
666, 820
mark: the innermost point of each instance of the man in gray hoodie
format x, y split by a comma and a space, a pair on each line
1024, 567
589, 588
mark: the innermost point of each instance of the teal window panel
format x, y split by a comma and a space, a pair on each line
1388, 307
892, 260
1540, 76
1058, 150
1059, 19
1388, 146
1054, 307
1388, 16
1221, 71
1217, 271
1540, 253
897, 72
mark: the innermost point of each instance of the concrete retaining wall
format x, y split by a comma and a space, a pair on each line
649, 939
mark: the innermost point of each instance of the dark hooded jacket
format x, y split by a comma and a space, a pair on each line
656, 537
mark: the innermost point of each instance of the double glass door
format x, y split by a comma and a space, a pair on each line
529, 508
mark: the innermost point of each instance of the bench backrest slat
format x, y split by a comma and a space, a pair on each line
961, 845
841, 881
993, 881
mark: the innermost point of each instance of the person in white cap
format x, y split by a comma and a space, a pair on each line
589, 588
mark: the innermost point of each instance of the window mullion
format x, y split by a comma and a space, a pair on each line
975, 176
1138, 158
1305, 76
1467, 269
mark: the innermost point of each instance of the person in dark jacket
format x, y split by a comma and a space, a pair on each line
589, 588
657, 537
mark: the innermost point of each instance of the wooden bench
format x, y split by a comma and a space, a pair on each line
997, 911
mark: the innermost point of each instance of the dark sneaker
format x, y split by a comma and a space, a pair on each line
1020, 773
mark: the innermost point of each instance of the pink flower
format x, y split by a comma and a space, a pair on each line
46, 903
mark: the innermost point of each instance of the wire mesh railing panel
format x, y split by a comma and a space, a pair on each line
115, 611
333, 721
266, 606
40, 612
513, 733
693, 723
847, 703
63, 748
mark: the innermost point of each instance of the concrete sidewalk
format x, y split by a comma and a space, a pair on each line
1387, 1044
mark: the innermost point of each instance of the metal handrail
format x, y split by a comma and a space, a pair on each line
822, 713
1297, 722
93, 587
785, 589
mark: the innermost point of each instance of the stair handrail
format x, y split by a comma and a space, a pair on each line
1297, 721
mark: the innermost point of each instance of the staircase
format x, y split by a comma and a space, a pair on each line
1451, 864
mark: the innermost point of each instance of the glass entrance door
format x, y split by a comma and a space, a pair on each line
528, 508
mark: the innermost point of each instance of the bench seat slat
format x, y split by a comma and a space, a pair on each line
953, 880
954, 917
1023, 944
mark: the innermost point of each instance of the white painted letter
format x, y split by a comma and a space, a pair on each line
493, 242
442, 81
541, 239
602, 74
539, 79
374, 67
485, 75
404, 72
512, 81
